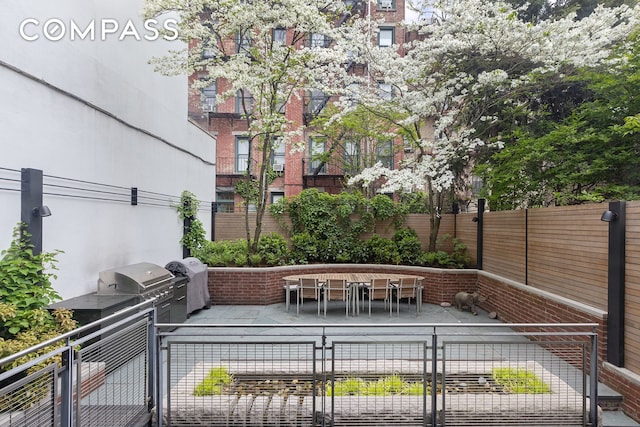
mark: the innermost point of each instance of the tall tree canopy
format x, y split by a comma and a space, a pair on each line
590, 155
474, 62
267, 49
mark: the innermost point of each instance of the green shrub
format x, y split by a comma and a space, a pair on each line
383, 207
26, 283
382, 250
25, 321
224, 253
435, 259
359, 252
304, 248
408, 243
273, 249
458, 258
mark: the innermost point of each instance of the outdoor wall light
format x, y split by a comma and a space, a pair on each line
42, 211
609, 216
475, 219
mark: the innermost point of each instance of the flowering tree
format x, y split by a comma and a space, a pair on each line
270, 51
471, 60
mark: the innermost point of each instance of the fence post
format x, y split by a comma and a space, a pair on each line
616, 285
479, 241
66, 384
186, 226
434, 380
214, 209
32, 210
593, 380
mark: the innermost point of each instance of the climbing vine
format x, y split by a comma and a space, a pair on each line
194, 236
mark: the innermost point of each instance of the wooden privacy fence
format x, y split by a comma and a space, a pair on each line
562, 250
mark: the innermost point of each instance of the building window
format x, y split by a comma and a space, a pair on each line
385, 91
386, 37
316, 150
244, 102
352, 158
278, 155
208, 97
279, 37
209, 43
242, 154
224, 202
243, 42
386, 4
318, 40
317, 101
384, 153
276, 195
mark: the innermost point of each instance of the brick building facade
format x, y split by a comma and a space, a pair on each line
296, 170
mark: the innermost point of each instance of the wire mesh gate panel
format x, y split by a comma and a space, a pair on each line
243, 384
112, 383
29, 401
379, 383
495, 383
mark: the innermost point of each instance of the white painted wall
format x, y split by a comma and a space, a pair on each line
148, 143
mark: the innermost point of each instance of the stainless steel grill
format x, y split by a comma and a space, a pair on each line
147, 280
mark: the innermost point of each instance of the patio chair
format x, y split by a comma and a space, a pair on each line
308, 288
407, 288
379, 289
337, 289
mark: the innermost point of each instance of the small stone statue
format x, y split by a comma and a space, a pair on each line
465, 299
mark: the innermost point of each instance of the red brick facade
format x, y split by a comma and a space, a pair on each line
226, 124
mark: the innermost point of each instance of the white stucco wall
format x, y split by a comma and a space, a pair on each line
113, 121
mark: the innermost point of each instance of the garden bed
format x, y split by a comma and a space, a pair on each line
273, 395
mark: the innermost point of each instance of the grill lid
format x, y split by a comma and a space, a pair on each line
133, 279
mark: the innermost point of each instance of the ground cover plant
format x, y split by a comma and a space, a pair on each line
219, 381
520, 381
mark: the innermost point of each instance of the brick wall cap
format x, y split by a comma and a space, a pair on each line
355, 267
628, 375
548, 295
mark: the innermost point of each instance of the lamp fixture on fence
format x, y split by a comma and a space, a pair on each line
41, 211
475, 219
609, 216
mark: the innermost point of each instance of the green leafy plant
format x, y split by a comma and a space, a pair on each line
214, 383
194, 237
25, 293
520, 381
304, 248
382, 250
408, 244
26, 283
273, 249
383, 386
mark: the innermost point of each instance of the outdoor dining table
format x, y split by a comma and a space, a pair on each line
353, 280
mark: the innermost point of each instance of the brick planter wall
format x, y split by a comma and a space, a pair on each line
262, 286
627, 384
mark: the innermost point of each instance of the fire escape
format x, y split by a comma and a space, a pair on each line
315, 103
326, 173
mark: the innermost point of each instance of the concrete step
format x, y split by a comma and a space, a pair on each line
610, 402
608, 399
616, 419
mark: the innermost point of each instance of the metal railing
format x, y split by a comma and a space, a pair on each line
125, 368
357, 375
102, 374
